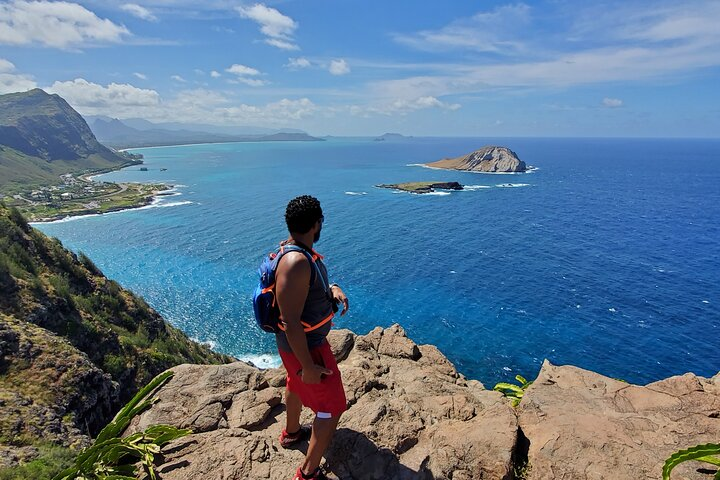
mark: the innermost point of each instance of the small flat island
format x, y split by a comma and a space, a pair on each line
489, 159
423, 187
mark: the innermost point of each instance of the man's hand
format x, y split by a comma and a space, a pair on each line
314, 374
339, 296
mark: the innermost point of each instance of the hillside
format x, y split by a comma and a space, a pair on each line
42, 137
74, 345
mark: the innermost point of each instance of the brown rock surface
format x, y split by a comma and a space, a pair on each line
490, 158
411, 415
582, 425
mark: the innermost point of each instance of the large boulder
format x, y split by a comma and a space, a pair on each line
411, 415
582, 425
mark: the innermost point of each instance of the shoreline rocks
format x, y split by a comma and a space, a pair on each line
489, 159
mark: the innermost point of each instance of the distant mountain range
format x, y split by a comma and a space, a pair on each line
42, 137
142, 133
142, 124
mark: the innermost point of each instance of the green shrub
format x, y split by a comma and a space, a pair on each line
514, 392
89, 264
52, 460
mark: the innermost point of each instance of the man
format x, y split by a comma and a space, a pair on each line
306, 311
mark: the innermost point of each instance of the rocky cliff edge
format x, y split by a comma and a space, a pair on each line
412, 416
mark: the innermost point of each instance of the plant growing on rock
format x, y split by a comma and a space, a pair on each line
512, 391
116, 458
703, 453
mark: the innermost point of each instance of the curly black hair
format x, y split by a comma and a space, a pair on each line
301, 213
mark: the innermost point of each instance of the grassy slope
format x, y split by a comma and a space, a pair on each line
65, 332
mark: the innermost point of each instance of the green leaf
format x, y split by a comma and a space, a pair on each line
693, 453
712, 460
133, 407
508, 386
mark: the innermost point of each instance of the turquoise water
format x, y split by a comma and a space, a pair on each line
606, 257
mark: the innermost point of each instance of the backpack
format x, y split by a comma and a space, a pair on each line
267, 312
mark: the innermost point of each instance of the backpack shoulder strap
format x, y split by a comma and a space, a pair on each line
293, 248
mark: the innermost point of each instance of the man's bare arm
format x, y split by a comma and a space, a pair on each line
293, 279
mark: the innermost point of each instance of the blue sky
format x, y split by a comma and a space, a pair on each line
349, 67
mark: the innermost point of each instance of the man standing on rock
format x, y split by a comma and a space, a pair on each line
306, 312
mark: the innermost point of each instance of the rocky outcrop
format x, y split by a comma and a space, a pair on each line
489, 159
582, 425
412, 416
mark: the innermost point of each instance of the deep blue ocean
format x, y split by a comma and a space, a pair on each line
606, 257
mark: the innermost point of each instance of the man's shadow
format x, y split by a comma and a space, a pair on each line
352, 455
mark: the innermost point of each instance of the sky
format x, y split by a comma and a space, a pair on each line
348, 67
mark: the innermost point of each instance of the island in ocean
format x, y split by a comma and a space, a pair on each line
391, 136
488, 159
422, 187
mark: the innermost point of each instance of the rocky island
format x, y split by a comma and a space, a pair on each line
422, 187
489, 159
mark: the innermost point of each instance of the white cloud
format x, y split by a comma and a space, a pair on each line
282, 44
115, 99
493, 31
55, 24
198, 71
190, 106
139, 75
6, 66
10, 81
339, 67
215, 74
253, 82
298, 63
243, 70
278, 28
178, 78
612, 102
139, 12
275, 113
403, 107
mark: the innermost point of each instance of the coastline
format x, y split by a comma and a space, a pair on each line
146, 202
147, 199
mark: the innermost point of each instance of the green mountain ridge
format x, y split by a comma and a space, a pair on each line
42, 137
74, 345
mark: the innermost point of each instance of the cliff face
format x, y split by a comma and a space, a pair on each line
41, 137
412, 416
74, 345
45, 126
490, 159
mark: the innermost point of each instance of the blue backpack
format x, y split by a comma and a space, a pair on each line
267, 312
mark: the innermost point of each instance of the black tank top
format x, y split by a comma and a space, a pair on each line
318, 306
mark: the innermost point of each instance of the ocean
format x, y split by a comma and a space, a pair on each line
606, 257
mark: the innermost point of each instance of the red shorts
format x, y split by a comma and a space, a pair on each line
327, 398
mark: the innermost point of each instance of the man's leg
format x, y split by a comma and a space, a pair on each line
293, 407
322, 432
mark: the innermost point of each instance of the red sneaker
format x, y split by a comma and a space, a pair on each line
317, 475
287, 441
